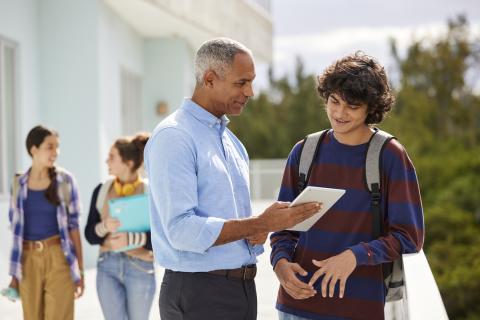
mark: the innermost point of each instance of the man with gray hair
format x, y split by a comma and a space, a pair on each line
203, 231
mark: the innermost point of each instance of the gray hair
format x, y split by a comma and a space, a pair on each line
217, 55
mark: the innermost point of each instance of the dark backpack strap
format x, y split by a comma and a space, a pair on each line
377, 227
372, 176
310, 149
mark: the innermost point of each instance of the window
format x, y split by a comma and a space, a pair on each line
131, 102
8, 101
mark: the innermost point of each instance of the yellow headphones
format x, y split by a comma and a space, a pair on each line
126, 189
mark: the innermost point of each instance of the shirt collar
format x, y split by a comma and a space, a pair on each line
204, 116
24, 177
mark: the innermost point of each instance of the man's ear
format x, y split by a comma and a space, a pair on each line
209, 78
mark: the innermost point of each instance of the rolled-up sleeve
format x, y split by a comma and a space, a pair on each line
11, 207
172, 171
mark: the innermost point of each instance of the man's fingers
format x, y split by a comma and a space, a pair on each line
306, 211
280, 205
308, 208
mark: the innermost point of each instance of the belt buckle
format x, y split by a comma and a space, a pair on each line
38, 246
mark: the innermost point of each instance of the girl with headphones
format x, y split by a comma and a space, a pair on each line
125, 278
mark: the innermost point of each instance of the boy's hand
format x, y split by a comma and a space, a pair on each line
286, 273
336, 268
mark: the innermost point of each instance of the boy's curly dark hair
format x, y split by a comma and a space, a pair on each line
359, 78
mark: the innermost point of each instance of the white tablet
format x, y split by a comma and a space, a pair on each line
327, 196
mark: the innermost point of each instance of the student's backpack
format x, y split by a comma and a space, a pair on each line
392, 272
65, 187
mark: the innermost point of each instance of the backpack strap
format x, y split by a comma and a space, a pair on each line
311, 145
65, 188
372, 175
102, 194
146, 186
16, 186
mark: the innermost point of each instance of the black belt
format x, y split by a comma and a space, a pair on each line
243, 273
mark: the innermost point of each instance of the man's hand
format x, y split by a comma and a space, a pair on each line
336, 268
79, 288
286, 273
116, 241
258, 239
280, 217
276, 217
111, 224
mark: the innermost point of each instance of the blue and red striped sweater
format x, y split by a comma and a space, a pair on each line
348, 225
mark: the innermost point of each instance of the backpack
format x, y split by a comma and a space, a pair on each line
392, 272
65, 187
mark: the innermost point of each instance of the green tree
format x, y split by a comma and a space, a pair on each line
273, 122
437, 116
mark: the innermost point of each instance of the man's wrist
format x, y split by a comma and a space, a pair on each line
259, 225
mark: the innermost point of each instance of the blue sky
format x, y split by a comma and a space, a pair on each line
321, 31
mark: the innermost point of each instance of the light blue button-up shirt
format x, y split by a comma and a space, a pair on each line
198, 173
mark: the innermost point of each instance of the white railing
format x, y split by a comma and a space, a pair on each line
423, 300
266, 178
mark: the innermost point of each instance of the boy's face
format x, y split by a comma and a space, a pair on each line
345, 118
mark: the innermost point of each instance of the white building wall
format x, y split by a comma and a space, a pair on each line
168, 76
18, 22
69, 87
71, 54
120, 46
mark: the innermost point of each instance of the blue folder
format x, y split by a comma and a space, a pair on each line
132, 212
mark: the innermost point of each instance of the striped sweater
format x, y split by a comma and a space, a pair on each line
348, 225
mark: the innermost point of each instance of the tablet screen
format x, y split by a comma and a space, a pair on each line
326, 196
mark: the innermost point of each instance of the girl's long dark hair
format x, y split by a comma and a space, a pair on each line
35, 137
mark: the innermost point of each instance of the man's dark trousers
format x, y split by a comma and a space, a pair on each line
202, 296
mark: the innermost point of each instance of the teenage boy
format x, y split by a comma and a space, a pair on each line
334, 270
